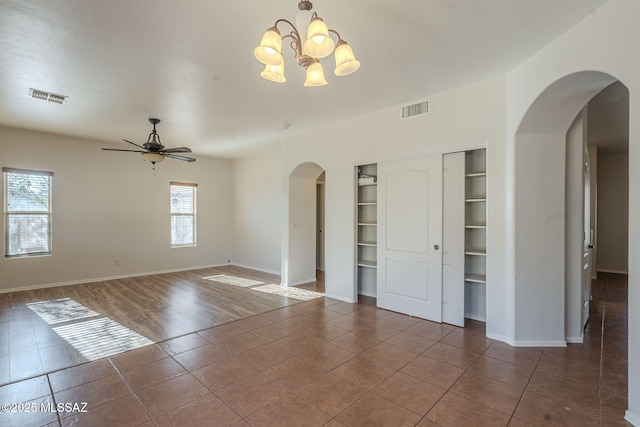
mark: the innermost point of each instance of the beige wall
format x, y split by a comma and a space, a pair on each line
111, 205
613, 213
257, 208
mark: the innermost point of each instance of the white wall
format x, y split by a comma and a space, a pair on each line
613, 213
597, 43
539, 240
109, 205
257, 209
459, 119
593, 176
302, 231
574, 227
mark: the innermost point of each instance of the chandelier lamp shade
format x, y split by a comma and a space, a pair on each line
318, 44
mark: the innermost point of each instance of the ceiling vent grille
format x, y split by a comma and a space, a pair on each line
47, 96
415, 109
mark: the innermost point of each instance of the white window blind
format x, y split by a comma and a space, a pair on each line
27, 212
183, 214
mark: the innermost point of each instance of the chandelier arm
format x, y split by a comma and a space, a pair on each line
336, 33
294, 45
294, 35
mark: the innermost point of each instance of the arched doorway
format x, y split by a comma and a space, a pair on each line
300, 228
540, 174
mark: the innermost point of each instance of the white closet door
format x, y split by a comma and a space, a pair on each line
588, 242
409, 237
453, 239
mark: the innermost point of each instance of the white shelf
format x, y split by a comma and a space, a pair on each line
367, 264
367, 221
475, 278
476, 252
475, 261
369, 180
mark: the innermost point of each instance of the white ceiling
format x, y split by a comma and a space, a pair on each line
190, 63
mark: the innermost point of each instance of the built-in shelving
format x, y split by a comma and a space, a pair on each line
367, 228
475, 252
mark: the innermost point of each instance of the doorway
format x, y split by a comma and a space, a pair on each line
540, 168
305, 239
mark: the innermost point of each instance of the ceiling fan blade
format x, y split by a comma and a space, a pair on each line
118, 149
183, 158
178, 150
133, 143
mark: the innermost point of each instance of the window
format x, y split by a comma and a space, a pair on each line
27, 212
183, 214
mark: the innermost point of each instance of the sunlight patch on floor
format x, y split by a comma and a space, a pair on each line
234, 280
93, 339
61, 310
295, 293
99, 338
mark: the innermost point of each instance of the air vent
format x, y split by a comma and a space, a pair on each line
415, 109
47, 96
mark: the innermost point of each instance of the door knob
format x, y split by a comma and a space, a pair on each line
436, 247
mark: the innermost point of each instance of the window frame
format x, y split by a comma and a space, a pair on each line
8, 213
191, 214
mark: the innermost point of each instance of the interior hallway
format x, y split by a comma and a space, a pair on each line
326, 362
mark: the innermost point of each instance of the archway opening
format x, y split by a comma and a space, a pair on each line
303, 260
540, 207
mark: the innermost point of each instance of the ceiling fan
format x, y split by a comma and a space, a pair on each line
153, 150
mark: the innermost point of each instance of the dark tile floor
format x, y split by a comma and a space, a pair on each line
326, 362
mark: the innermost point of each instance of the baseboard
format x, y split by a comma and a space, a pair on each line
632, 418
340, 298
474, 317
367, 294
299, 282
104, 279
561, 343
516, 343
501, 338
574, 340
255, 268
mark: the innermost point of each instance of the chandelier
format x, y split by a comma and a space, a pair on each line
318, 44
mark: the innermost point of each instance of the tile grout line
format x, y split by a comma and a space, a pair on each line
53, 397
601, 373
513, 413
187, 371
334, 417
456, 381
133, 393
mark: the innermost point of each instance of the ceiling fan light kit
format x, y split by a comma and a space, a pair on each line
318, 44
152, 157
153, 151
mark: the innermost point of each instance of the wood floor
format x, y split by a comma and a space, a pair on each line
158, 307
